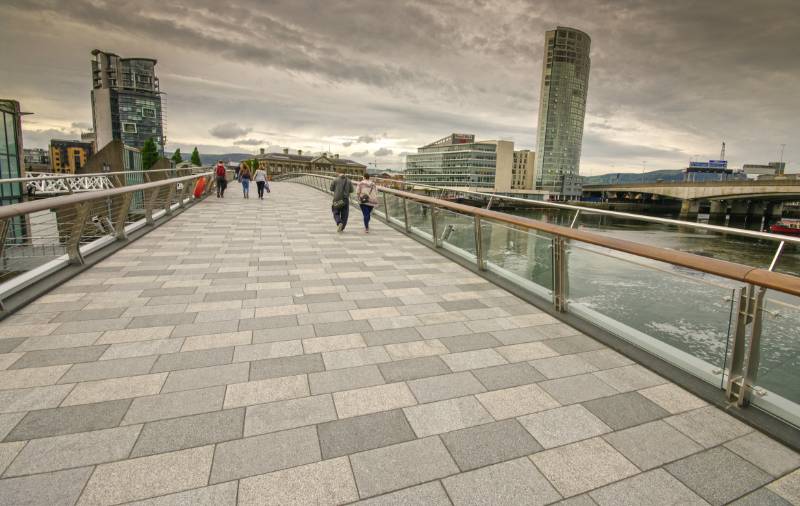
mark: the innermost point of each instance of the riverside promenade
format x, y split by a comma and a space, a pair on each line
244, 352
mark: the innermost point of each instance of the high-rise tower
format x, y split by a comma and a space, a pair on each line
126, 101
562, 107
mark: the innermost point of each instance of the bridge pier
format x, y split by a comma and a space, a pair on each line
689, 209
718, 211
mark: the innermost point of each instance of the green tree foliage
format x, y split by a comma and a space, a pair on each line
253, 165
176, 157
196, 157
149, 154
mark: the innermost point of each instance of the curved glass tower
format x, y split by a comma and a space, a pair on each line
562, 107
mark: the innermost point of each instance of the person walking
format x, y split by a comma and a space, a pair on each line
341, 188
222, 183
260, 178
367, 195
244, 178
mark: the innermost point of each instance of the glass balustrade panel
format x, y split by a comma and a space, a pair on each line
456, 233
419, 219
524, 257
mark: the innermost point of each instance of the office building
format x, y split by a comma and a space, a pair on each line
459, 161
275, 164
126, 101
91, 138
68, 156
771, 169
11, 163
37, 159
562, 108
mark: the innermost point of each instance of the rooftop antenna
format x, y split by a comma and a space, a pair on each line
722, 152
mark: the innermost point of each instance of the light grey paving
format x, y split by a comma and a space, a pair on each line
69, 420
445, 416
223, 494
175, 404
188, 379
324, 483
445, 386
344, 379
281, 415
509, 375
625, 410
430, 494
513, 482
560, 426
766, 453
413, 368
189, 431
708, 426
489, 444
360, 433
653, 488
652, 444
60, 488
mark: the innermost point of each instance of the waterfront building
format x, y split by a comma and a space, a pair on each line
68, 156
771, 169
11, 162
36, 159
276, 164
712, 170
126, 101
90, 137
562, 108
523, 169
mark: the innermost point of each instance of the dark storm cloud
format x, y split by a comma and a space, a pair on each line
359, 154
229, 131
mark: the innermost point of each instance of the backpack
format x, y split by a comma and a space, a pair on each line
220, 171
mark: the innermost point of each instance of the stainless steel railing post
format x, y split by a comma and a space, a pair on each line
479, 253
81, 214
434, 227
121, 216
405, 215
560, 273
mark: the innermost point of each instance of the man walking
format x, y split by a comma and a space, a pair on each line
341, 188
222, 182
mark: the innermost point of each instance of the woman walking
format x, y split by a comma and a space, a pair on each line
260, 178
367, 194
244, 178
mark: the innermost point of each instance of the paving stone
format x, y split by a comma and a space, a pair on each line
605, 359
344, 379
414, 368
223, 494
160, 320
106, 369
145, 477
69, 420
708, 426
625, 410
416, 349
10, 344
470, 342
44, 358
788, 487
339, 328
516, 401
8, 421
443, 330
354, 358
391, 336
402, 465
508, 375
288, 414
367, 400
205, 342
526, 351
577, 388
445, 416
718, 475
333, 343
761, 497
560, 426
283, 334
429, 494
630, 378
189, 431
673, 398
513, 482
31, 377
652, 444
49, 342
189, 379
578, 500
489, 444
654, 487
8, 452
193, 359
445, 386
565, 365
360, 433
74, 450
142, 348
458, 305
473, 359
57, 489
286, 366
766, 453
510, 336
175, 404
266, 390
573, 344
268, 322
264, 454
115, 388
583, 466
26, 399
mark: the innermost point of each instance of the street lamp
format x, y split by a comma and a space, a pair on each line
643, 167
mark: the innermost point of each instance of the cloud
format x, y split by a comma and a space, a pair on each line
250, 142
41, 138
383, 152
347, 144
359, 154
81, 125
229, 130
365, 139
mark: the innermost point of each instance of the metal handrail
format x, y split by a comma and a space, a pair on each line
737, 272
92, 174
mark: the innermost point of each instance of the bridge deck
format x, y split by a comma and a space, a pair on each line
246, 352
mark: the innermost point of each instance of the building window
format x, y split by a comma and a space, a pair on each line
148, 112
129, 128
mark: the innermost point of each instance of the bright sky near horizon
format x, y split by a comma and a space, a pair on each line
375, 79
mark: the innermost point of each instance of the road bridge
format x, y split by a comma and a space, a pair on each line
245, 352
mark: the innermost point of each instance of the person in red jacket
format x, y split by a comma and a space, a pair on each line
222, 183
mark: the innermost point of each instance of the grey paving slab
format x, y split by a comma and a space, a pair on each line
9, 344
446, 386
188, 379
175, 404
367, 400
31, 377
8, 452
281, 415
788, 487
446, 416
266, 390
513, 482
88, 314
516, 401
766, 453
579, 388
718, 475
74, 450
430, 494
264, 454
106, 369
625, 410
286, 366
629, 378
564, 365
560, 426
761, 497
53, 342
25, 399
656, 487
322, 483
391, 336
489, 444
222, 494
8, 421
193, 359
145, 477
414, 368
44, 358
268, 322
470, 342
360, 433
160, 320
189, 431
115, 388
69, 420
473, 359
573, 344
583, 466
346, 379
401, 465
283, 334
60, 488
708, 426
652, 444
345, 327
508, 375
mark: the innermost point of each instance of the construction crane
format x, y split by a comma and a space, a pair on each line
722, 152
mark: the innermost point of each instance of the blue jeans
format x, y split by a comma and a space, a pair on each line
367, 212
340, 215
246, 185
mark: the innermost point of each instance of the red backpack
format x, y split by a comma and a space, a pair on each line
220, 170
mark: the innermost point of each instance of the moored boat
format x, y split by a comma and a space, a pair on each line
786, 227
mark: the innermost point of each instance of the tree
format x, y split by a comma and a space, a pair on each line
149, 154
196, 157
176, 157
253, 164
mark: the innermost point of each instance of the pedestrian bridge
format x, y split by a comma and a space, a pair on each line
778, 189
245, 352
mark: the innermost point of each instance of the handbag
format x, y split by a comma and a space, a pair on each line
339, 204
364, 198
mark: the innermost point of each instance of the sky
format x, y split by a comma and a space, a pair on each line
373, 80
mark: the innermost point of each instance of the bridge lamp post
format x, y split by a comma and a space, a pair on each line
643, 167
